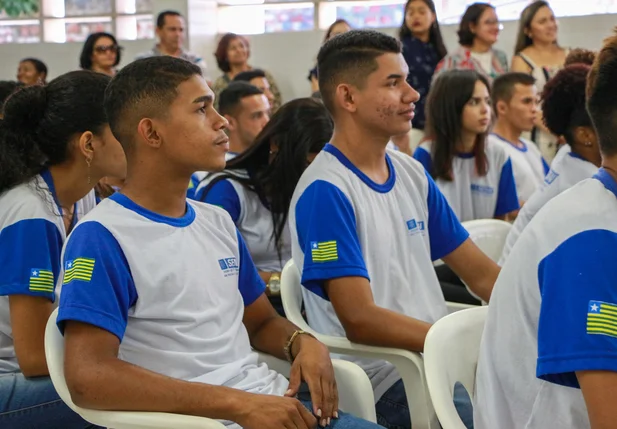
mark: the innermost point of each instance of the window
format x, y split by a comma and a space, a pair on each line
268, 18
60, 21
363, 14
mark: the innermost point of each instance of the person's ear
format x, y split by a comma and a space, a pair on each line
501, 107
346, 97
147, 130
86, 146
232, 123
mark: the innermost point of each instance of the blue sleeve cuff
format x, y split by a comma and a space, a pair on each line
313, 278
91, 316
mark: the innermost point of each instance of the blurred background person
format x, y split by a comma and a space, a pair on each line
32, 71
101, 54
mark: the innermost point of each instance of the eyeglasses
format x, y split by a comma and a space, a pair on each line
104, 48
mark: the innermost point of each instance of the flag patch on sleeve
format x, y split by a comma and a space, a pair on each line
324, 251
41, 280
78, 269
602, 318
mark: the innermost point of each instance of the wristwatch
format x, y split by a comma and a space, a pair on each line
290, 343
274, 284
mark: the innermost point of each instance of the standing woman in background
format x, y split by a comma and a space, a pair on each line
538, 53
477, 33
339, 26
55, 145
423, 48
101, 54
232, 56
256, 187
32, 71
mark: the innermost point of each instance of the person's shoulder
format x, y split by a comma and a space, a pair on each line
500, 54
405, 165
496, 152
30, 200
532, 147
213, 215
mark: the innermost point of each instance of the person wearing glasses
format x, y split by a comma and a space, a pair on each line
101, 54
477, 33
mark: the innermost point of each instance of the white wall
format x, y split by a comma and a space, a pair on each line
289, 56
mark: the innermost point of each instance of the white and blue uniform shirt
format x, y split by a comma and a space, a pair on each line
567, 169
553, 312
528, 165
173, 290
344, 225
470, 195
198, 176
252, 218
32, 232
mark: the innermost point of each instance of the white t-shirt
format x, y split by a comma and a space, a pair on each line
31, 235
566, 171
470, 195
527, 163
552, 313
253, 219
173, 290
343, 224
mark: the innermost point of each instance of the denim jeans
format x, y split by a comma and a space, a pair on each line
32, 403
345, 421
393, 410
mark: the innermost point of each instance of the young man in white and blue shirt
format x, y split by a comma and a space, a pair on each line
548, 355
516, 107
366, 223
161, 304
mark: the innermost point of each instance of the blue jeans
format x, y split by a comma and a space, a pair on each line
32, 403
393, 410
345, 421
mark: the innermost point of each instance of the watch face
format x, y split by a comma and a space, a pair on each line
274, 285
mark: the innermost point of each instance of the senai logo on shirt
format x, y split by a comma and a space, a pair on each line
229, 266
415, 227
482, 189
550, 177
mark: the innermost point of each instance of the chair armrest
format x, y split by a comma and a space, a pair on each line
147, 420
457, 306
355, 391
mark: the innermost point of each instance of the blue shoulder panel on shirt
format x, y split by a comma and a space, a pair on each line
445, 231
97, 286
577, 328
327, 235
507, 198
30, 258
422, 155
193, 184
223, 194
545, 166
250, 284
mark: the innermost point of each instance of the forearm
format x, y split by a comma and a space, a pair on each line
482, 282
112, 384
271, 338
402, 332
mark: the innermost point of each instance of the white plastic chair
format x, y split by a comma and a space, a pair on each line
490, 236
410, 365
450, 355
355, 392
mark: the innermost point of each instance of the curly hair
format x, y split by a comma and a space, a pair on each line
580, 56
563, 101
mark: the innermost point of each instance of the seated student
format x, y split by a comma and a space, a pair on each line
256, 77
563, 103
256, 187
247, 110
515, 101
475, 178
55, 145
548, 357
366, 223
168, 284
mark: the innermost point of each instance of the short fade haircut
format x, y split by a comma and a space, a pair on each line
350, 58
503, 86
231, 97
160, 20
144, 89
602, 95
249, 75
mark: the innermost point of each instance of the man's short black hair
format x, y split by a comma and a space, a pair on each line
160, 20
602, 95
249, 75
144, 89
349, 58
230, 97
503, 86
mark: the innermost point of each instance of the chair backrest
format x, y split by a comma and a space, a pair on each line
489, 235
291, 295
451, 355
54, 353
